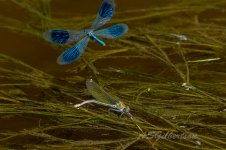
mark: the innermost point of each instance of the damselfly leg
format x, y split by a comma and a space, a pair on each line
114, 110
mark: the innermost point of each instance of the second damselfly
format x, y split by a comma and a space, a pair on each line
104, 99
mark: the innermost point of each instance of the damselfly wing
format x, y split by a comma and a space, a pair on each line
105, 13
99, 94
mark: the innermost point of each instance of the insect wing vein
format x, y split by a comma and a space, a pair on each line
98, 93
114, 31
63, 36
74, 52
106, 12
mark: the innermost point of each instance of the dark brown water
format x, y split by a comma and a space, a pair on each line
207, 29
25, 47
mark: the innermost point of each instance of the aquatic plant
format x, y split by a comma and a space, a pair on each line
169, 69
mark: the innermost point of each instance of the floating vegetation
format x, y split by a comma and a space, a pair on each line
169, 69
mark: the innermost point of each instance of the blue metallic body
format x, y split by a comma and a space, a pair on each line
93, 37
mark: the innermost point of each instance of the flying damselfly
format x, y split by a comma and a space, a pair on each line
106, 12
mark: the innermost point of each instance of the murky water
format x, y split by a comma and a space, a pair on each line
36, 51
152, 86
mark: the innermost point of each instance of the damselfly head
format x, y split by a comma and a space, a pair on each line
89, 33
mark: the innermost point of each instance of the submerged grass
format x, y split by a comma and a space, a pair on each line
170, 71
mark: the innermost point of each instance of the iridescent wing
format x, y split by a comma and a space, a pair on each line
63, 36
113, 31
99, 94
106, 12
74, 52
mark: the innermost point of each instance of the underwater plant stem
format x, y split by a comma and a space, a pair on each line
187, 78
142, 132
166, 59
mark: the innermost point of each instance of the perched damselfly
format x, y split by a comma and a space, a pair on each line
104, 99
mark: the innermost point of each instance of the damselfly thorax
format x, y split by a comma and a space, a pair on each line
91, 35
120, 105
122, 108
